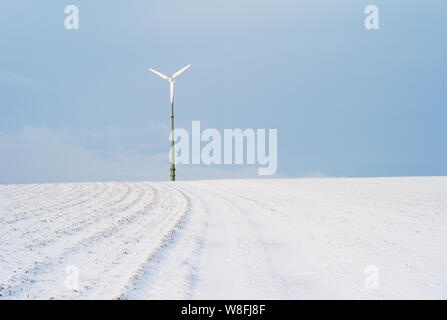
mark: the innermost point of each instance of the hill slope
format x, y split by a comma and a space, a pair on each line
292, 239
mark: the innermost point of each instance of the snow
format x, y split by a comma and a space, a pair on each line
356, 238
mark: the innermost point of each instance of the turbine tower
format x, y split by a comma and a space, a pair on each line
171, 83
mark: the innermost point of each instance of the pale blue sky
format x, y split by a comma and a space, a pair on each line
81, 105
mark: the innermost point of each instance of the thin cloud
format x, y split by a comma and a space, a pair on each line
41, 154
14, 79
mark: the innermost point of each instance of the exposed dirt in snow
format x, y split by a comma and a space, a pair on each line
284, 238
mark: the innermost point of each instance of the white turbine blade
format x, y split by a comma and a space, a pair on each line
159, 74
180, 71
172, 91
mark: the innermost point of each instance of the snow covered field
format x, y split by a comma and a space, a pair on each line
291, 239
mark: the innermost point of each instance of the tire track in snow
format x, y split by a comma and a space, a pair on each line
257, 252
234, 252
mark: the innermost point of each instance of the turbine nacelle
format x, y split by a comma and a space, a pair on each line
170, 79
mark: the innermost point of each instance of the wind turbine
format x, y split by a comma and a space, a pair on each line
171, 83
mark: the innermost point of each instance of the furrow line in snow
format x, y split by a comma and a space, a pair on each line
48, 221
19, 208
72, 219
170, 271
151, 235
15, 191
40, 209
107, 260
61, 193
76, 240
